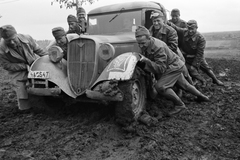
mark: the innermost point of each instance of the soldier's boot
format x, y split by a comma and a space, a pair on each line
202, 80
200, 96
178, 103
214, 78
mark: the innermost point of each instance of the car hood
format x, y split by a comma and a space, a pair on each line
116, 38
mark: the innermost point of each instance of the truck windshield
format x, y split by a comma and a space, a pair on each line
106, 24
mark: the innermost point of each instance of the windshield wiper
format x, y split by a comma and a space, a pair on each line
117, 15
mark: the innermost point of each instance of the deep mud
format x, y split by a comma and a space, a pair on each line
206, 131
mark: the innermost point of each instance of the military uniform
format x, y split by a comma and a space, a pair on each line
192, 47
17, 61
77, 28
82, 22
167, 67
180, 23
168, 35
58, 32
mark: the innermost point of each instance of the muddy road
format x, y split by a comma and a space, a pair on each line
205, 131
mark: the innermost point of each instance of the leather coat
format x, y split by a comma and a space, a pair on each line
17, 64
192, 47
161, 60
167, 34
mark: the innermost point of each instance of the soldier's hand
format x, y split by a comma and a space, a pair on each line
141, 64
168, 23
143, 59
192, 68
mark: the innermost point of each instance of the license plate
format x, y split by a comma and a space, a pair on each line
39, 74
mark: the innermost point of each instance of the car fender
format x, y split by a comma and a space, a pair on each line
120, 68
57, 71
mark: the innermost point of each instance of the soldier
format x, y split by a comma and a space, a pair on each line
192, 45
17, 53
168, 35
167, 67
175, 14
62, 39
81, 17
74, 26
162, 31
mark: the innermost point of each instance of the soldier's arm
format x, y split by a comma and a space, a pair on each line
178, 29
9, 66
172, 40
159, 65
183, 24
200, 51
36, 49
52, 43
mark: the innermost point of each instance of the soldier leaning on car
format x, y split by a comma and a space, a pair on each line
167, 67
168, 35
17, 53
192, 45
62, 39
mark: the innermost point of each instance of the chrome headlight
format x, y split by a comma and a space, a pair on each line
106, 51
55, 54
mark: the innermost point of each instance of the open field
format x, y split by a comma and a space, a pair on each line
223, 45
205, 131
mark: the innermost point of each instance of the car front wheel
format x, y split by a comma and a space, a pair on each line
134, 100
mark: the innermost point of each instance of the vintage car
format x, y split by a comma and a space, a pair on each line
102, 65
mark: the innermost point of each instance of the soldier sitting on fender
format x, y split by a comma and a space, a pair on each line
17, 53
62, 39
192, 45
167, 67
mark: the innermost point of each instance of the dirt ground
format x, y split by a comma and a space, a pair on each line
205, 131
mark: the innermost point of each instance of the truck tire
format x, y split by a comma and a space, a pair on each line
134, 100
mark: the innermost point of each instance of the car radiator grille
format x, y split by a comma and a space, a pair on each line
81, 61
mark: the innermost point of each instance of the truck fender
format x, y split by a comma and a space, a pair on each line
57, 71
120, 68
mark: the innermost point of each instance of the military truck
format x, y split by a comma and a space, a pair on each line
101, 66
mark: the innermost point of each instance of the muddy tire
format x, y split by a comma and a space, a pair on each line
134, 100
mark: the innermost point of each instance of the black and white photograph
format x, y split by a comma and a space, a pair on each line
119, 80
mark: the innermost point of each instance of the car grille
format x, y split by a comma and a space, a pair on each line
81, 61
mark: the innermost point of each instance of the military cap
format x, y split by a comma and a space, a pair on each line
71, 18
141, 31
192, 23
156, 14
7, 31
81, 10
175, 11
58, 32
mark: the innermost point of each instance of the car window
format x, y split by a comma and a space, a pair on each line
114, 23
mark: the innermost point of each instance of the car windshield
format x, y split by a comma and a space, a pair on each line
114, 23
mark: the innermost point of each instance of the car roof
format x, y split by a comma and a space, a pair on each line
126, 6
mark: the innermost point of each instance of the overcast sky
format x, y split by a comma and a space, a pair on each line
38, 17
